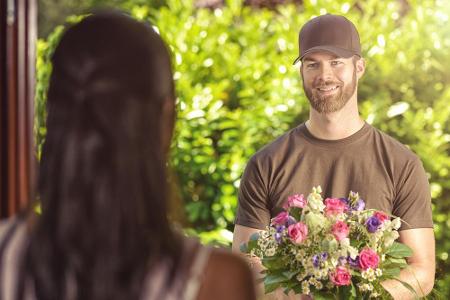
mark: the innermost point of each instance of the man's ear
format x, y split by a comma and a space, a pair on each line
360, 67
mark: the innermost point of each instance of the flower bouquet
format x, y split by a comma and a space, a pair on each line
330, 249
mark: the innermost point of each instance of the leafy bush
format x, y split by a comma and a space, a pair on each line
237, 90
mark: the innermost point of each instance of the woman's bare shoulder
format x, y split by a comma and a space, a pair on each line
227, 276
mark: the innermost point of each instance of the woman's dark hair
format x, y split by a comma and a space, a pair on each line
102, 174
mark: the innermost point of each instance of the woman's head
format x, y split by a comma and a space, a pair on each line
102, 175
119, 70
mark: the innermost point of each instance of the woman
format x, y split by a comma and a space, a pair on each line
103, 232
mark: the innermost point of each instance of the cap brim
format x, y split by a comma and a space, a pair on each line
340, 52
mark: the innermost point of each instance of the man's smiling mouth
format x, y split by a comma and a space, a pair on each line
327, 88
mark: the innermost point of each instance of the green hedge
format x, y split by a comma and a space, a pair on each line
237, 90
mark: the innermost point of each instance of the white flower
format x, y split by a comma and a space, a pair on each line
300, 255
386, 225
369, 274
345, 243
390, 237
315, 221
305, 287
270, 251
317, 273
365, 287
353, 252
317, 189
265, 234
315, 201
396, 223
301, 276
343, 252
334, 261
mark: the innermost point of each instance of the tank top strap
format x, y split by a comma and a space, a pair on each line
9, 233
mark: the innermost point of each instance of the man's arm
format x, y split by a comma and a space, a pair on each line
421, 270
242, 235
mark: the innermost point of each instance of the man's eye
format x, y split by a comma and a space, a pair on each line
336, 62
312, 66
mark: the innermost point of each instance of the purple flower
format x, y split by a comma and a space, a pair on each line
318, 258
345, 201
372, 224
342, 260
316, 261
278, 237
280, 228
354, 263
359, 205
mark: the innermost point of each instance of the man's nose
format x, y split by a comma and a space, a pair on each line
325, 72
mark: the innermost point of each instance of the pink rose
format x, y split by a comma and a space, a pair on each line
340, 276
340, 230
368, 259
295, 201
281, 218
334, 206
381, 216
298, 232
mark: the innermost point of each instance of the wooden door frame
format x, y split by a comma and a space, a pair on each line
18, 29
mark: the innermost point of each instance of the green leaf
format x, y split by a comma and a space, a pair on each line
273, 263
353, 291
297, 288
290, 274
399, 250
391, 272
274, 278
345, 292
295, 212
324, 296
392, 262
252, 243
268, 288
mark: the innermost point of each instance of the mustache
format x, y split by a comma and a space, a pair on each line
323, 84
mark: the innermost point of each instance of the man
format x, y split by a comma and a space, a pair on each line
337, 150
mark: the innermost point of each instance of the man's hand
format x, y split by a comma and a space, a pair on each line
422, 265
242, 235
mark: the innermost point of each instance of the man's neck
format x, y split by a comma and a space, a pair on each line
335, 126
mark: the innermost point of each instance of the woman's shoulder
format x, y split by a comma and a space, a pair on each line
227, 276
6, 224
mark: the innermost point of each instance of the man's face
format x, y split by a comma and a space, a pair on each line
329, 81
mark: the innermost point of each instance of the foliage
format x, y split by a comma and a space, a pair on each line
237, 90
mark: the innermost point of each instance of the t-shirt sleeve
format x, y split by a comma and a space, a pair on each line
252, 210
413, 199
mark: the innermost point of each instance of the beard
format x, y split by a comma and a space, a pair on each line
331, 103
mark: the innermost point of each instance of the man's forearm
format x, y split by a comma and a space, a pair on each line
417, 276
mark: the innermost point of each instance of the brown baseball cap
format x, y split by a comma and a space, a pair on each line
331, 33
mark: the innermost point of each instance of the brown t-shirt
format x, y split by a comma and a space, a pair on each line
386, 174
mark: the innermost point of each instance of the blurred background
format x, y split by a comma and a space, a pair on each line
237, 90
